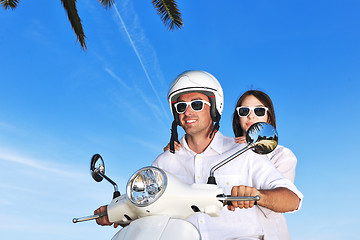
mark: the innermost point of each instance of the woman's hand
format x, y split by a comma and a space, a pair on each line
240, 139
176, 144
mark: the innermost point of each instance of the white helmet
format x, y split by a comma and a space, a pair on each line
196, 81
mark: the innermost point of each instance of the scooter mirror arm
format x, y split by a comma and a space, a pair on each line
91, 217
211, 179
116, 191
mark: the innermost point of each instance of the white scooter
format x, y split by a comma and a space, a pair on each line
156, 203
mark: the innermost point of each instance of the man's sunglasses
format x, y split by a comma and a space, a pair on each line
245, 111
196, 105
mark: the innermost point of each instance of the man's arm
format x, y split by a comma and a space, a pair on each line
278, 199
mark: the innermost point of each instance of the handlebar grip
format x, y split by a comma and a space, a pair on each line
226, 199
82, 219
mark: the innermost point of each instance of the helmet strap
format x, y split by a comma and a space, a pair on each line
216, 127
174, 136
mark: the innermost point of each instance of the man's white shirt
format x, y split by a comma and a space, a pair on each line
249, 169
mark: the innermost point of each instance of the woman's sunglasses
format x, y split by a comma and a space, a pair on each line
245, 111
196, 105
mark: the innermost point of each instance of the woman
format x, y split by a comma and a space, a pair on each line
256, 106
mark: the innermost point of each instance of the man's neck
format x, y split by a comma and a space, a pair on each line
199, 143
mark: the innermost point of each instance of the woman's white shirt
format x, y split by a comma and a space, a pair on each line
284, 160
275, 226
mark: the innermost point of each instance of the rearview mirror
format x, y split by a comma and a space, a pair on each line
262, 137
97, 167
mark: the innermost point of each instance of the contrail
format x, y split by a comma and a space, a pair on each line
139, 58
112, 74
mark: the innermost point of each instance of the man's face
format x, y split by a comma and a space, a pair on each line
195, 122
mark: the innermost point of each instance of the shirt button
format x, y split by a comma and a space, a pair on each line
201, 221
227, 183
198, 177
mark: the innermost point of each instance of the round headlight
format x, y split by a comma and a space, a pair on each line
146, 186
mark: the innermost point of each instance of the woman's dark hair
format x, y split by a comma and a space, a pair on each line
264, 99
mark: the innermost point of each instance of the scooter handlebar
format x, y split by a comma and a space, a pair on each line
91, 217
226, 199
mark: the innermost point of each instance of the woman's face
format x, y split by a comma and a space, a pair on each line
246, 122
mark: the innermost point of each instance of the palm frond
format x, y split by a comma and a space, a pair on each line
106, 3
71, 10
169, 13
9, 4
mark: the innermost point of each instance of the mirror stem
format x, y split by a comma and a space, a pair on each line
211, 179
116, 191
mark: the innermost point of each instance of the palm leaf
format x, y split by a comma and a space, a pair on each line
169, 13
71, 10
106, 3
9, 4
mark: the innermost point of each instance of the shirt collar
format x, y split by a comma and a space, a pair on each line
216, 144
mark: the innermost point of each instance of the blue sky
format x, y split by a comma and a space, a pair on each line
59, 105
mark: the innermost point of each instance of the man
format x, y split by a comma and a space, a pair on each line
196, 100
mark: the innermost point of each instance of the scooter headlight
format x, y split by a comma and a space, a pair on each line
146, 186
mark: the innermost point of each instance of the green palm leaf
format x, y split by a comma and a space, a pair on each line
167, 9
9, 3
71, 10
106, 3
169, 13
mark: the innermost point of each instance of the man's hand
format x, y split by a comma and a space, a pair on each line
278, 199
103, 221
240, 191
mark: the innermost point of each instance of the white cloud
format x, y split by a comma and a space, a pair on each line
154, 147
44, 196
37, 32
36, 164
10, 128
51, 227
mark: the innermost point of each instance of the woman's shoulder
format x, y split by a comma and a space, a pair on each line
282, 149
281, 154
284, 160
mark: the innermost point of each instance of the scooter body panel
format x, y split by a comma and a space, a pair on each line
158, 228
180, 196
